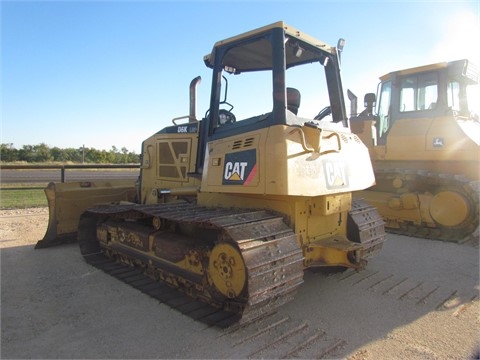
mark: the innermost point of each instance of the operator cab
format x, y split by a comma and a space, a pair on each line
250, 77
433, 91
421, 94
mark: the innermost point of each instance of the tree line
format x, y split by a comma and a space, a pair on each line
42, 153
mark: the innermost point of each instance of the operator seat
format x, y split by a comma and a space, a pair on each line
293, 100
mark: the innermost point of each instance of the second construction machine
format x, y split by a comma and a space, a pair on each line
232, 211
424, 141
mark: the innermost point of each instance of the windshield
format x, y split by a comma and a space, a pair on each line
250, 93
418, 92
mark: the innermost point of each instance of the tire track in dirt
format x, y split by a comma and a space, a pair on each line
436, 296
281, 337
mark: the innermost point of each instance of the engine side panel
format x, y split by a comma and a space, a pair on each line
287, 161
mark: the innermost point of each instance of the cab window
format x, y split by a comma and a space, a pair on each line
384, 108
418, 92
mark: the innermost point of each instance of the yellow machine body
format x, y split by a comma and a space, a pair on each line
232, 212
309, 182
424, 143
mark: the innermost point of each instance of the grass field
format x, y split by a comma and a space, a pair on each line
18, 196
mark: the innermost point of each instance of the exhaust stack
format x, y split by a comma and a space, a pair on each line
193, 98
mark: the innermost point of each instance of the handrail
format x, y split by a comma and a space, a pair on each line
303, 141
191, 119
316, 149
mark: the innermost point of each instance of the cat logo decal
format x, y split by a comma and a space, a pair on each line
240, 167
335, 174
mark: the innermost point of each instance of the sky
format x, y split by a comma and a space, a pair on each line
112, 73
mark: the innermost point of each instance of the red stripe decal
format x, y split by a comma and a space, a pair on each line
251, 175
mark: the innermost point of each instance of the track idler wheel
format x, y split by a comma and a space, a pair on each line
449, 208
227, 270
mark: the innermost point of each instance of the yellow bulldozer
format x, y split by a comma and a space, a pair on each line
424, 142
230, 209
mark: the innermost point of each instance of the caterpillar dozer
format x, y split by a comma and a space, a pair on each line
424, 142
232, 211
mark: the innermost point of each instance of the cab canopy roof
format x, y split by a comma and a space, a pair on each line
457, 69
252, 51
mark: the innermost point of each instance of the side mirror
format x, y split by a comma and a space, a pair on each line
340, 45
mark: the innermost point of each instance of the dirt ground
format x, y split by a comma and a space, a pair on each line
418, 299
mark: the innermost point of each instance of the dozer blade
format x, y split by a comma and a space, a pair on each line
67, 201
